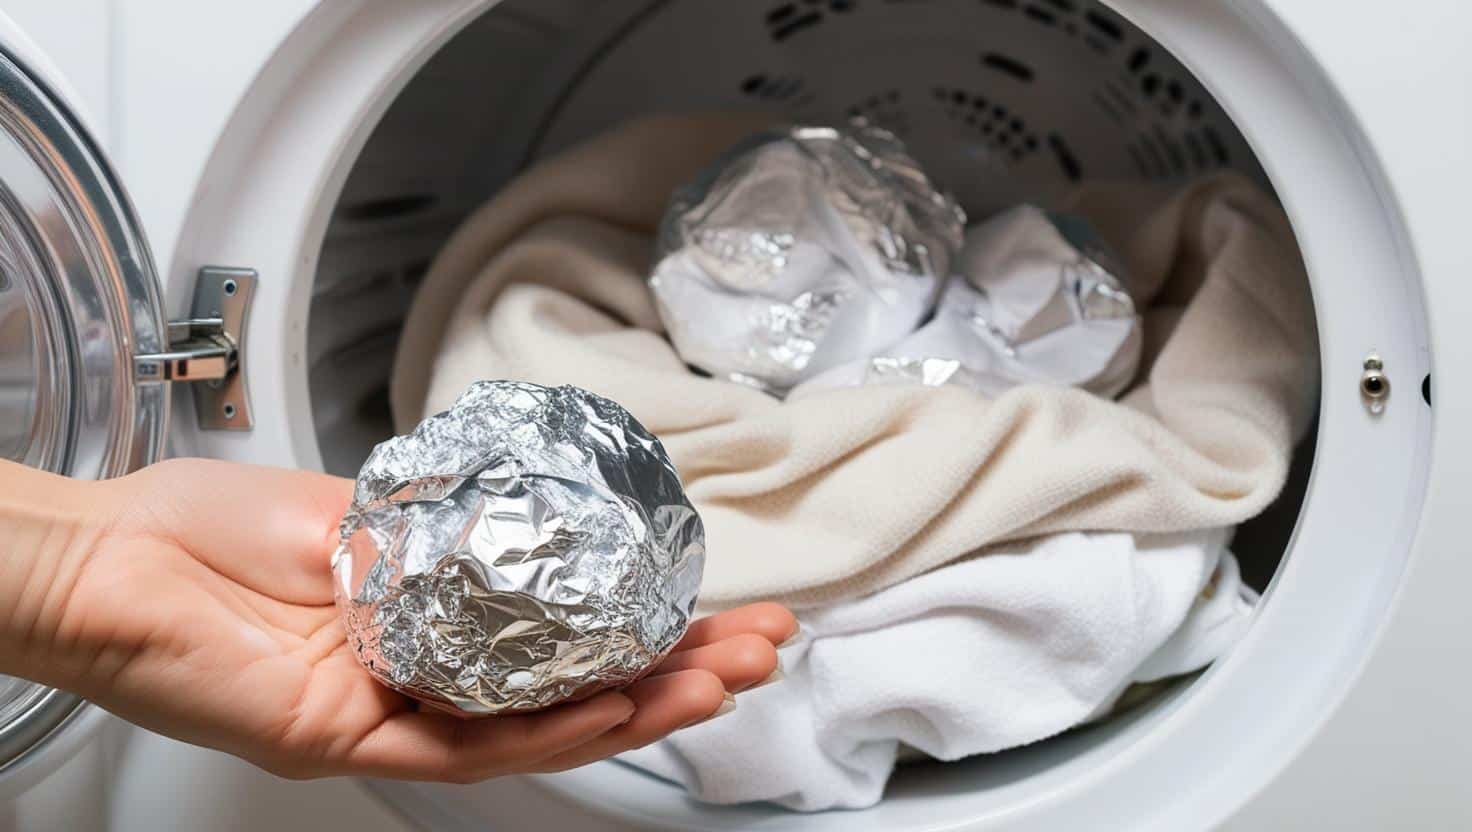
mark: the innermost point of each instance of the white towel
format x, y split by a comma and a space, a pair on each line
987, 654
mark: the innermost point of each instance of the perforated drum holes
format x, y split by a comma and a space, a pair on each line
1104, 25
1153, 166
1218, 148
1173, 151
780, 89
1120, 98
1198, 152
1040, 15
1152, 99
992, 124
788, 19
1008, 66
1066, 159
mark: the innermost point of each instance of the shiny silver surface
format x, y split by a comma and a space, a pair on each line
226, 293
1374, 384
207, 349
1037, 299
529, 546
800, 249
78, 298
17, 696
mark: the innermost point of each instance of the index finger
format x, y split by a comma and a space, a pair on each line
769, 620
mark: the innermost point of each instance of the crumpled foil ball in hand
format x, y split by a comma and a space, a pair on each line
529, 546
800, 249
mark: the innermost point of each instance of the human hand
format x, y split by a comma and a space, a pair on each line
195, 599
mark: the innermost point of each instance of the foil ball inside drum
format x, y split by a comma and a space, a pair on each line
1042, 295
800, 249
1037, 299
529, 546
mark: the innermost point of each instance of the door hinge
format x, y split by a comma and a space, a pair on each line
207, 349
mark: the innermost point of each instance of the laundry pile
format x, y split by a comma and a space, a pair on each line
983, 547
994, 652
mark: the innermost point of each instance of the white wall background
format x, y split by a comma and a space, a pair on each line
158, 79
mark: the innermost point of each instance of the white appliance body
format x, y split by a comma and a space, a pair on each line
234, 128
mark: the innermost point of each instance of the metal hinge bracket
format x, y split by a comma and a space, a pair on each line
207, 349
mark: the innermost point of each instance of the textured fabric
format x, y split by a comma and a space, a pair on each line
839, 493
986, 654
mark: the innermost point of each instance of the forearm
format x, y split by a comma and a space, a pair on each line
48, 525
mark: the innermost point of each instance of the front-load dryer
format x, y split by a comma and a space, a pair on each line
365, 131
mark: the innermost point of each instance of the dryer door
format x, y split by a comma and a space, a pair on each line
80, 313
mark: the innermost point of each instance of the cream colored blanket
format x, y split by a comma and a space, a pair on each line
842, 492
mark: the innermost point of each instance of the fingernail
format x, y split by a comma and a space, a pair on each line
776, 676
728, 704
793, 636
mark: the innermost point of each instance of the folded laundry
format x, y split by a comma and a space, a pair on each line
838, 493
986, 654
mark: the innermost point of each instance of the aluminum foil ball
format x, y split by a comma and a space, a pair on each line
801, 249
529, 546
1037, 299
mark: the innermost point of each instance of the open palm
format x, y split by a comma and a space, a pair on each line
205, 613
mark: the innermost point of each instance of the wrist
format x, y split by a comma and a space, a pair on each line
49, 525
